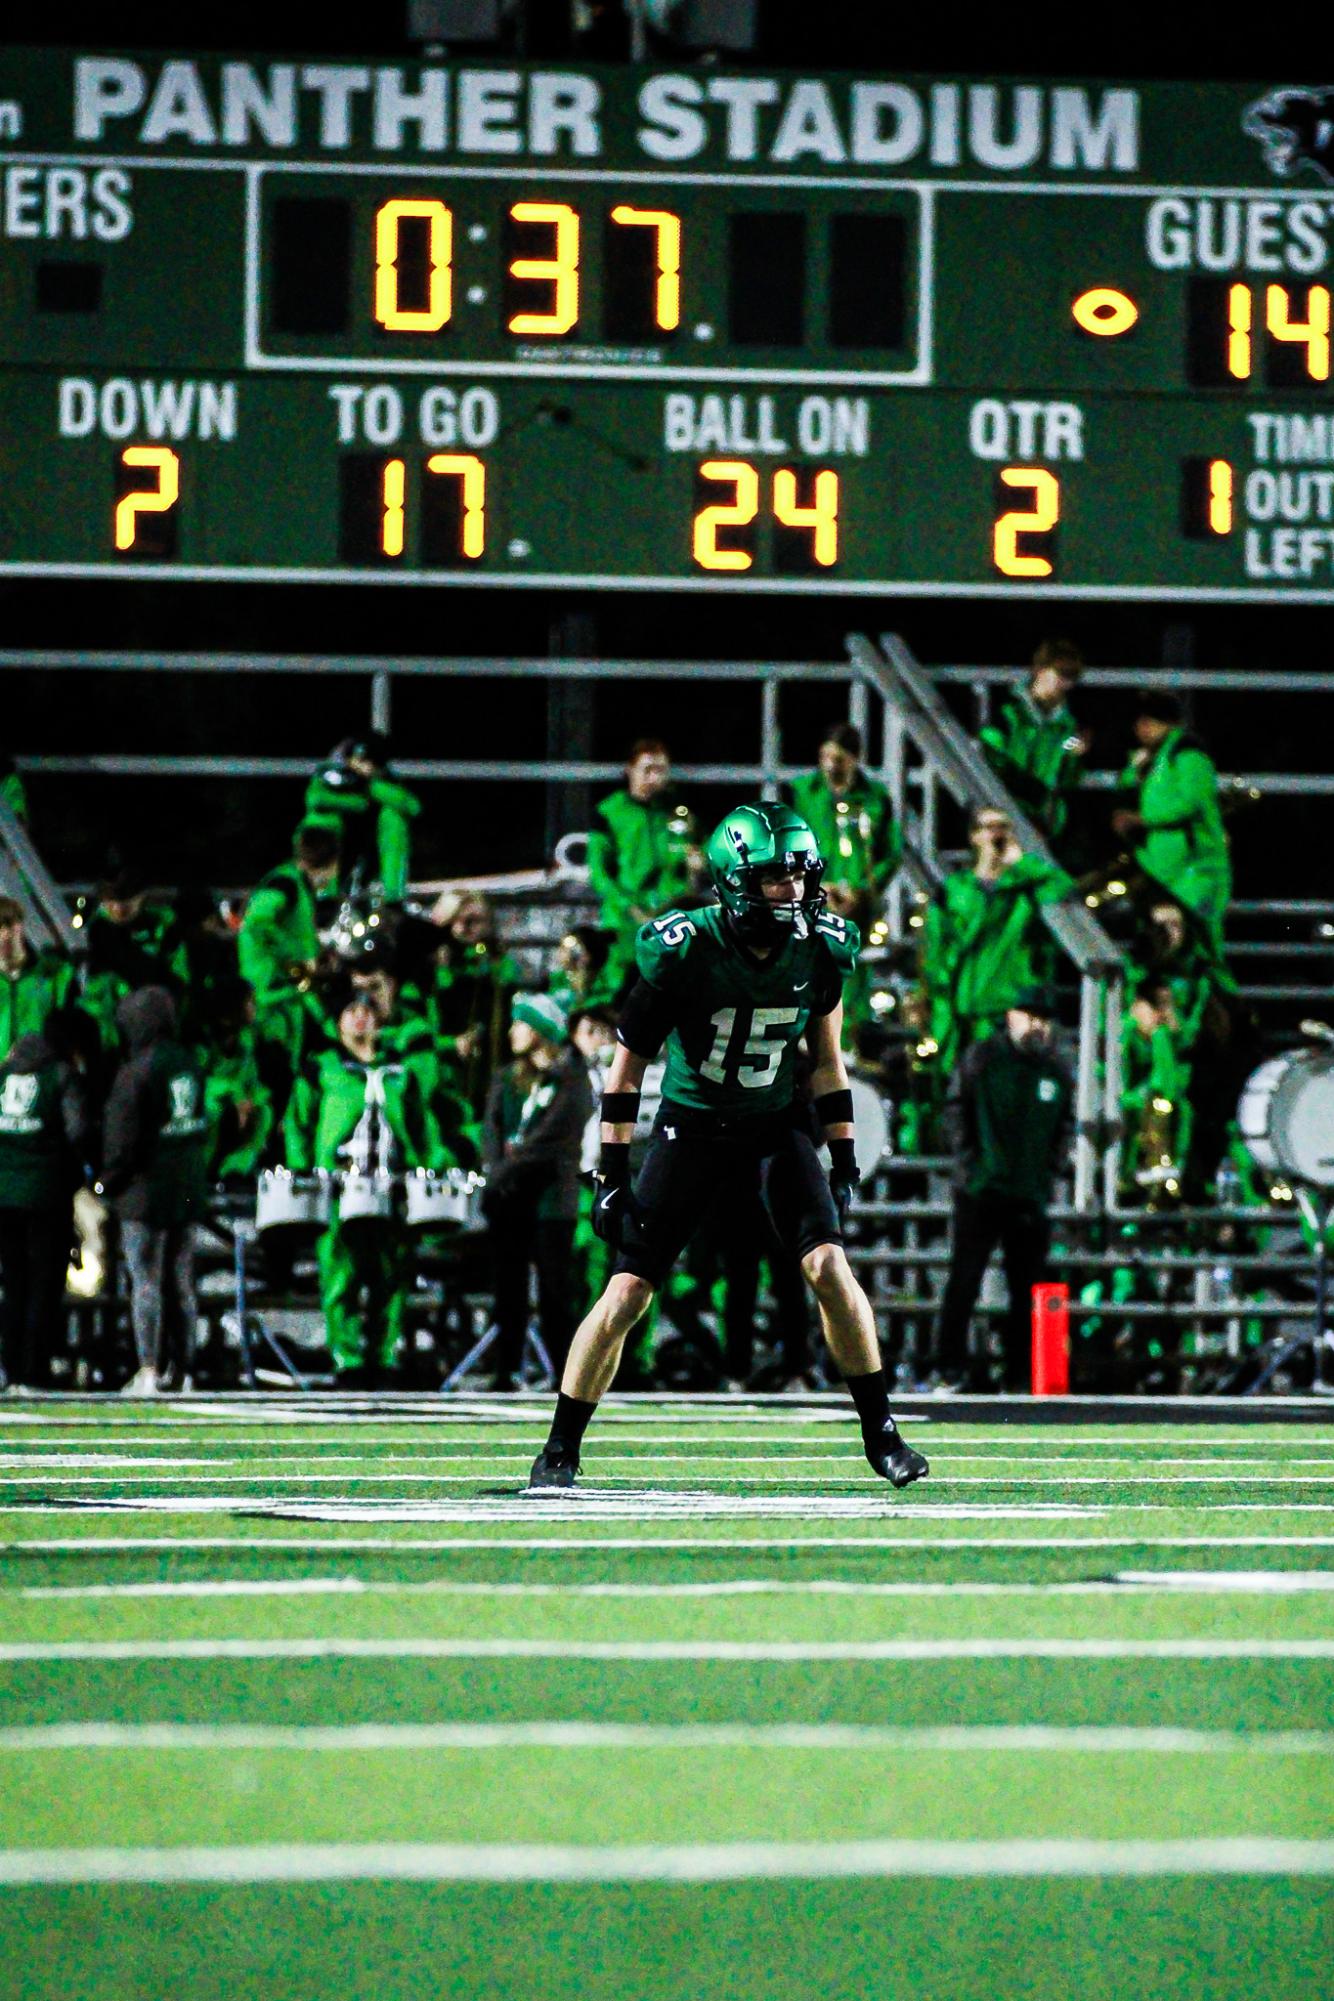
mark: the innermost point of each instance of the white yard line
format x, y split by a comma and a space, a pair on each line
537, 1545
714, 1862
507, 1468
516, 1507
1029, 1739
497, 1464
1267, 1582
424, 1647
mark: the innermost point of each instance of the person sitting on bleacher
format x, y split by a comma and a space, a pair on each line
985, 940
32, 984
1036, 748
1174, 822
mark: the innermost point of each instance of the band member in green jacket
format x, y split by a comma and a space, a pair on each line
355, 794
1036, 747
852, 817
643, 850
355, 1112
33, 985
279, 950
985, 938
1174, 822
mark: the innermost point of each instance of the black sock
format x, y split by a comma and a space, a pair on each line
870, 1393
568, 1426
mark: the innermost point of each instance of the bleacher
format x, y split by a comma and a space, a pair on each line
1218, 1295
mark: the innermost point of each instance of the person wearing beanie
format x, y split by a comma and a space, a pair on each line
154, 1154
1172, 820
536, 1111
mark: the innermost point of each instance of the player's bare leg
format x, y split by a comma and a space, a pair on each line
595, 1351
595, 1356
848, 1326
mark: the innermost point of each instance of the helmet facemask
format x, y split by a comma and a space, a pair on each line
756, 919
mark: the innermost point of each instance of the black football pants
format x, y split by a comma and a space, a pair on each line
981, 1222
34, 1257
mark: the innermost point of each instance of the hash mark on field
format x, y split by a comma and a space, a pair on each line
430, 1648
697, 1863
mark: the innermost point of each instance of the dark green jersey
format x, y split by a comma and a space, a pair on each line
733, 1021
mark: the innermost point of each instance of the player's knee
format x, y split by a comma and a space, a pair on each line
628, 1298
827, 1271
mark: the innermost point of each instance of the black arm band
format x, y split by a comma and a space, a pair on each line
614, 1166
834, 1108
620, 1108
843, 1158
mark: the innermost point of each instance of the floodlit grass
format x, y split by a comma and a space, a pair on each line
263, 1585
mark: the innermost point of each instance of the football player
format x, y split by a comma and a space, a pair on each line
731, 990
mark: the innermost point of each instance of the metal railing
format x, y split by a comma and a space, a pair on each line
918, 719
25, 877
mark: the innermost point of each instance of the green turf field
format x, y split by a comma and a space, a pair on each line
305, 1700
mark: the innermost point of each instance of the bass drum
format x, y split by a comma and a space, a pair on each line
1286, 1117
872, 1127
287, 1201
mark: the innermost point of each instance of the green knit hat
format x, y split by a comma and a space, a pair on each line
547, 1016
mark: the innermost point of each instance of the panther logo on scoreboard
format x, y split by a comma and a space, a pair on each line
1295, 129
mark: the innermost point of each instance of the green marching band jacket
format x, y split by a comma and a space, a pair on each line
856, 830
638, 857
1032, 752
372, 1117
1184, 845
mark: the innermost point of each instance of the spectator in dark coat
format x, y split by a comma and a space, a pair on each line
155, 1144
43, 1141
1008, 1120
536, 1111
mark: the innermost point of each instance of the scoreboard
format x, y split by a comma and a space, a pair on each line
470, 323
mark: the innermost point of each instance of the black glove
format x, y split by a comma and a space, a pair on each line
613, 1202
844, 1180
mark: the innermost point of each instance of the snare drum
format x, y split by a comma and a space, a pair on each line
284, 1200
365, 1198
1286, 1117
436, 1199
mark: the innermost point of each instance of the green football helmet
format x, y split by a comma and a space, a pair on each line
742, 846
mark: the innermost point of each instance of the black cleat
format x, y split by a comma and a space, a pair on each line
552, 1470
894, 1459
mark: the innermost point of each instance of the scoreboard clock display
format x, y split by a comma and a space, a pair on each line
463, 323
